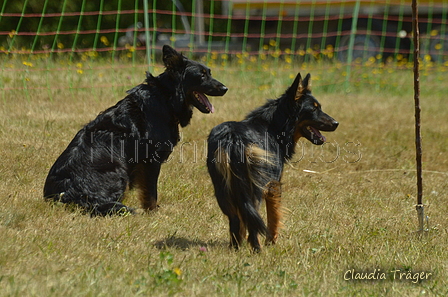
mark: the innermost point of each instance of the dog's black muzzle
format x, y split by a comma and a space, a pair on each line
217, 90
329, 126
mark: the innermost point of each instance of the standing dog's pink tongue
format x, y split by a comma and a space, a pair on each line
204, 100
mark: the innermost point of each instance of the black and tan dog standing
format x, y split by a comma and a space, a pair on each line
245, 159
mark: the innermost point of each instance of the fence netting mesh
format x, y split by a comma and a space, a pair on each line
42, 36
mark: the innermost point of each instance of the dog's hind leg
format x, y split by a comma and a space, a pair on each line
253, 240
237, 231
254, 230
272, 196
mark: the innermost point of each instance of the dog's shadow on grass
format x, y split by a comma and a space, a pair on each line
185, 244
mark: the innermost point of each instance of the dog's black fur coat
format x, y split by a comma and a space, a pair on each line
127, 143
245, 159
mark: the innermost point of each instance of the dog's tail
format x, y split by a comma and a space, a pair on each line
244, 171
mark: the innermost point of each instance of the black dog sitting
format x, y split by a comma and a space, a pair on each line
127, 143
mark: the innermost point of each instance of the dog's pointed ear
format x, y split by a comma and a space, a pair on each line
302, 86
307, 83
297, 86
171, 58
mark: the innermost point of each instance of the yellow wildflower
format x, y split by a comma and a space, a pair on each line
177, 271
104, 40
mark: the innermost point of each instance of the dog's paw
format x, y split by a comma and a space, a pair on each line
147, 210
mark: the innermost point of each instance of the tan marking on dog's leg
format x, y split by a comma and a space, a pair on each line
147, 202
243, 230
272, 196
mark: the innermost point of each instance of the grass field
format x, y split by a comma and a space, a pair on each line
353, 213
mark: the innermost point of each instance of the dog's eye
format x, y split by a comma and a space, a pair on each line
205, 73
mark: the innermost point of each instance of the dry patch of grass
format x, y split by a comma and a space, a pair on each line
354, 213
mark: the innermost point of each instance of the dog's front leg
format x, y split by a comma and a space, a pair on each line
148, 186
272, 195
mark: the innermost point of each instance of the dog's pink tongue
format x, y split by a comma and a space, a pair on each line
317, 133
206, 102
